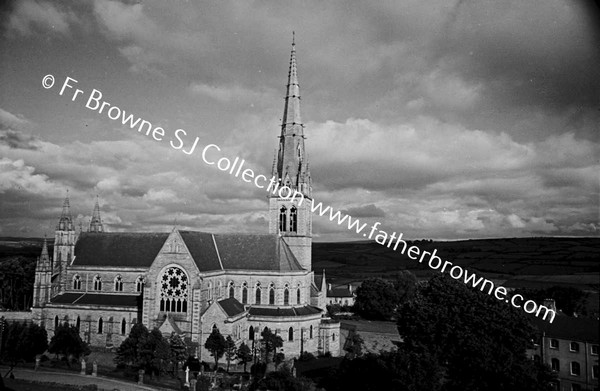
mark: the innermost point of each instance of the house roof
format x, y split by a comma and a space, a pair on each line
118, 249
231, 306
113, 300
566, 327
339, 292
293, 311
210, 252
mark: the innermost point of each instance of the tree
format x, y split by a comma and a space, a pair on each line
376, 299
230, 350
178, 350
67, 341
405, 284
270, 342
464, 328
278, 359
244, 354
154, 351
33, 341
215, 344
128, 352
570, 300
353, 346
284, 381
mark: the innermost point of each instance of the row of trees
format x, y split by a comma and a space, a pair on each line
17, 274
454, 338
218, 346
151, 351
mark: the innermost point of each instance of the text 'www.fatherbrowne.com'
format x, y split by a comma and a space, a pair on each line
179, 140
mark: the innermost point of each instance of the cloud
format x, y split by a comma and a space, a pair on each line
370, 210
29, 17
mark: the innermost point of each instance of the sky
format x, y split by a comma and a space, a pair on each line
439, 119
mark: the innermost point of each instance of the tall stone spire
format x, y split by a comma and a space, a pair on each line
45, 257
65, 223
292, 166
96, 222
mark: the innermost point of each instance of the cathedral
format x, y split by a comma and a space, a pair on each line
191, 282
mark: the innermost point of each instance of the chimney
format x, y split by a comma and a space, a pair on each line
551, 304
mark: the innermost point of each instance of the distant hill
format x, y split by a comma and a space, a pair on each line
503, 259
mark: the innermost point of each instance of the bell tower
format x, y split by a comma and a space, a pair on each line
291, 217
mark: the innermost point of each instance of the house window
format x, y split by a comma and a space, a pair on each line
554, 344
174, 290
271, 294
76, 282
291, 334
594, 350
575, 368
293, 219
139, 284
97, 283
118, 284
100, 324
282, 219
257, 294
286, 296
123, 326
555, 363
244, 293
574, 347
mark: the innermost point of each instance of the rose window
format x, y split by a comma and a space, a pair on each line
173, 290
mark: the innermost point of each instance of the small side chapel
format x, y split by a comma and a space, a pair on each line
190, 282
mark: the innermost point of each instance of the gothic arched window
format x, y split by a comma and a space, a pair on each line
257, 294
311, 332
56, 322
76, 282
231, 290
100, 325
97, 283
173, 290
286, 295
293, 219
139, 284
271, 294
282, 219
291, 334
298, 295
123, 326
244, 293
251, 333
118, 284
210, 293
78, 323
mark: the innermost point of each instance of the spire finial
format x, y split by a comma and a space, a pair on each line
96, 221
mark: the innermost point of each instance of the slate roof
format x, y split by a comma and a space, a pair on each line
236, 251
112, 299
339, 292
118, 249
293, 311
255, 252
566, 327
231, 306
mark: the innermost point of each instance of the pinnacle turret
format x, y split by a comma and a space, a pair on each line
96, 221
65, 223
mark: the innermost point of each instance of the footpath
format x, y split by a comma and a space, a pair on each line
70, 378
